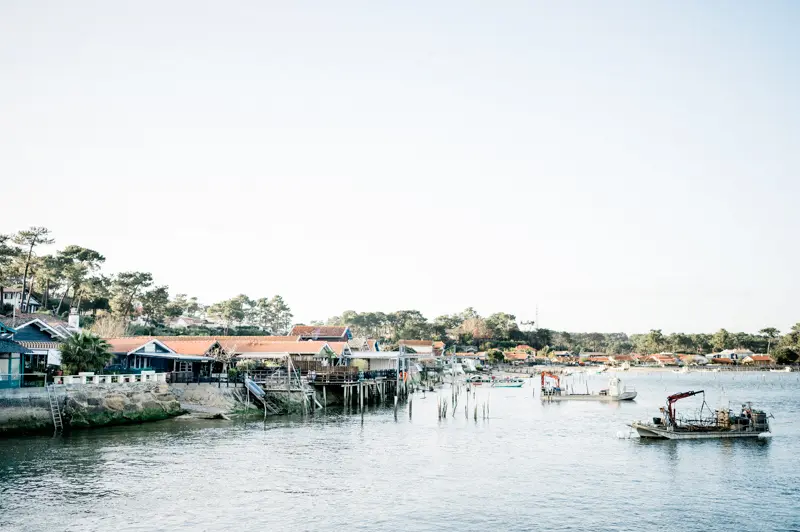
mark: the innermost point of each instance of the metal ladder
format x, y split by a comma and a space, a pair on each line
55, 411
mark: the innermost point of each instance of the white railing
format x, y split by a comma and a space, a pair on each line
91, 378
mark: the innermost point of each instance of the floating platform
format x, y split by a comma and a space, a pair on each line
624, 396
660, 433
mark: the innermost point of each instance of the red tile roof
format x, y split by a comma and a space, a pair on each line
126, 344
721, 361
191, 347
293, 348
187, 345
754, 358
232, 343
511, 355
417, 343
314, 330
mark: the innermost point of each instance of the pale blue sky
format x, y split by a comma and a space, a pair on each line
625, 165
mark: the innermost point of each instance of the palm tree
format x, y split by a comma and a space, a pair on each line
85, 352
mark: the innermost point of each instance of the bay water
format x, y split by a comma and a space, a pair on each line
525, 465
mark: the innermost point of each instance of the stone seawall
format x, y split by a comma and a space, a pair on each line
27, 410
109, 404
24, 410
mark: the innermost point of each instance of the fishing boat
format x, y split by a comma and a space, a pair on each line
508, 382
552, 391
477, 380
722, 423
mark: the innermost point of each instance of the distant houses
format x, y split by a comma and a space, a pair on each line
322, 333
424, 347
732, 354
758, 360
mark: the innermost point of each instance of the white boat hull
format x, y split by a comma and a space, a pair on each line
653, 432
625, 396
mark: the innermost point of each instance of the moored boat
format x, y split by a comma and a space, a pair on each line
551, 390
477, 380
723, 423
508, 382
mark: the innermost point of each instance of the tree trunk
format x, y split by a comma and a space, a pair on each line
46, 295
61, 302
25, 275
2, 299
28, 302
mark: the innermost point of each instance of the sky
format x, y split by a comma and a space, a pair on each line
620, 165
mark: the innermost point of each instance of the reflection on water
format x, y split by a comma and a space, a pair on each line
553, 466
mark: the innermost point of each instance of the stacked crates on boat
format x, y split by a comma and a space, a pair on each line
760, 423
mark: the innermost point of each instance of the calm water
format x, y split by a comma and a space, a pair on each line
568, 466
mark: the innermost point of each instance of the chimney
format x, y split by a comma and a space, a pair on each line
74, 319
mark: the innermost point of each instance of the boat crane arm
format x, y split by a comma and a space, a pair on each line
552, 376
672, 399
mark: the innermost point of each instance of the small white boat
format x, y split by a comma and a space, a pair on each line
787, 369
614, 392
508, 382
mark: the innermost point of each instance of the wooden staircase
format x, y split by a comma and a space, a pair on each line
55, 410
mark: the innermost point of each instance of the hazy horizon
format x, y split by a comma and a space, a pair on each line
624, 166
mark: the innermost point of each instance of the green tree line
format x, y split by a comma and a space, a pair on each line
72, 277
502, 330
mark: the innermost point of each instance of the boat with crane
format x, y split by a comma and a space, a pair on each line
551, 390
723, 423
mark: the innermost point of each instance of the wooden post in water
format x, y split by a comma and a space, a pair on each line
324, 397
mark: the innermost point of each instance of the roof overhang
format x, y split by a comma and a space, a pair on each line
44, 327
375, 355
261, 356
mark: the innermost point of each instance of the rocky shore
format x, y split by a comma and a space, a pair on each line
102, 405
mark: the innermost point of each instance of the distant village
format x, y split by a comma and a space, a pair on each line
31, 345
61, 315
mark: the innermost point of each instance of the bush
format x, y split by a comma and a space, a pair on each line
786, 355
496, 356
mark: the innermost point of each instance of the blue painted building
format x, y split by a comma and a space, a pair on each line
11, 359
184, 359
41, 335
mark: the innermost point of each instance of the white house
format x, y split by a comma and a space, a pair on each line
12, 295
733, 354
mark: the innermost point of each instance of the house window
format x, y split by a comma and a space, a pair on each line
140, 362
184, 366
